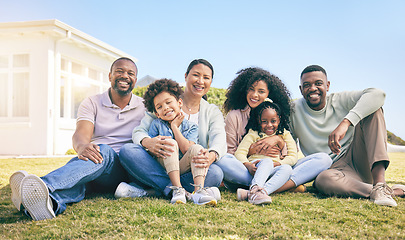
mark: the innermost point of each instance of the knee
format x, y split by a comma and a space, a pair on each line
195, 149
323, 160
287, 169
215, 173
327, 180
129, 150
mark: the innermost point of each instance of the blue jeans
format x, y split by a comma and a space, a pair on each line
144, 168
269, 177
68, 184
305, 170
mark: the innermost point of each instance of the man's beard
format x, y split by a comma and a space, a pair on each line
121, 92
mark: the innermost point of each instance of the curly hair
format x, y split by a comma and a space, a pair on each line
238, 88
254, 122
161, 85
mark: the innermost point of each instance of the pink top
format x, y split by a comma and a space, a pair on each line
235, 123
112, 126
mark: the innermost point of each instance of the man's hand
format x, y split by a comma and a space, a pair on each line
91, 152
338, 135
270, 146
251, 166
158, 146
204, 159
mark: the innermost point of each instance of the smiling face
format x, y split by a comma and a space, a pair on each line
167, 106
257, 93
198, 80
123, 77
314, 86
269, 121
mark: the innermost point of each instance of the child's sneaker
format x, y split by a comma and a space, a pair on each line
299, 189
15, 185
178, 195
258, 195
125, 190
201, 197
242, 194
214, 192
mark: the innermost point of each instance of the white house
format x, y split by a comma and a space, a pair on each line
46, 69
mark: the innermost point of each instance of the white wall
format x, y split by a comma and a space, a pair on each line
28, 137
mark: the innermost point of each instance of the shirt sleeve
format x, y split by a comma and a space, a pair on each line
243, 148
140, 132
153, 129
191, 133
366, 102
87, 111
292, 152
231, 132
216, 132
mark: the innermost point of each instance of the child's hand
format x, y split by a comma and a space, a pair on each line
275, 164
177, 120
251, 167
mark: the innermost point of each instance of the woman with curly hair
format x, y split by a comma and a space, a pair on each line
249, 89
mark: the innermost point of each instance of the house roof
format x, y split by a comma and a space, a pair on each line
61, 30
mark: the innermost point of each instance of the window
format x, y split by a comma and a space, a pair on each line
77, 82
14, 86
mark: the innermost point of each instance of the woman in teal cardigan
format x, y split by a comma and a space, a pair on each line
137, 158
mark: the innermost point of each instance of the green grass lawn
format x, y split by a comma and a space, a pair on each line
291, 215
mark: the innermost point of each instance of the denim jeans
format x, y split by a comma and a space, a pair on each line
305, 170
144, 168
68, 184
269, 177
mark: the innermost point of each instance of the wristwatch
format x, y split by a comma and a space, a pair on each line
216, 154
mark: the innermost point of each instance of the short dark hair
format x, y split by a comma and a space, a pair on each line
313, 68
126, 59
255, 117
161, 85
200, 61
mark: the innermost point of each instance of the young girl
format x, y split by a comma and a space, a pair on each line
269, 174
249, 89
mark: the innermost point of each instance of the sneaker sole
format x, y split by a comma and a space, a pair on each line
386, 203
212, 203
178, 202
35, 198
15, 185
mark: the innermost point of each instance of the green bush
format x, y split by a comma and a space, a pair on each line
71, 151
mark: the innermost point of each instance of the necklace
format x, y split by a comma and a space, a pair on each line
189, 108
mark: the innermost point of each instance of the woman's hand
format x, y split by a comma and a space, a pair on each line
270, 146
204, 159
158, 146
251, 166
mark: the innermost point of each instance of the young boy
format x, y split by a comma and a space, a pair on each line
163, 98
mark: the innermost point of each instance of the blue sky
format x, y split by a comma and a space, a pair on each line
360, 43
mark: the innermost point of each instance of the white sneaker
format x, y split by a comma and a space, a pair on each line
125, 190
178, 195
214, 192
201, 197
35, 198
381, 194
15, 185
